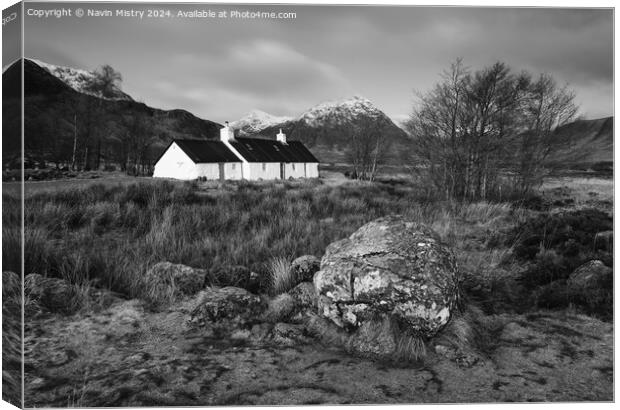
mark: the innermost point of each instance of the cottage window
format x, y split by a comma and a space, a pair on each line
264, 166
293, 166
233, 166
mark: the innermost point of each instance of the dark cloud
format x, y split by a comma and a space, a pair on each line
220, 69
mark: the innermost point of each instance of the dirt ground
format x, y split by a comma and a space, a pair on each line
125, 356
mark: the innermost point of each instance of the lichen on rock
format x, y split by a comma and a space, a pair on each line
304, 267
176, 279
225, 309
390, 268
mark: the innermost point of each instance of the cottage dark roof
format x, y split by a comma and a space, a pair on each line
252, 149
201, 151
261, 150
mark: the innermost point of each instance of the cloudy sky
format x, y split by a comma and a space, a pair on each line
220, 69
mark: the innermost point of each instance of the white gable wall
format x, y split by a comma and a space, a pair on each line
175, 164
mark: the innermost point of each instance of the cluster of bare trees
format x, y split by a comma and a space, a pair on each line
134, 143
475, 128
92, 132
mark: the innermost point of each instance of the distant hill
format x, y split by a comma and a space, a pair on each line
55, 108
324, 128
587, 141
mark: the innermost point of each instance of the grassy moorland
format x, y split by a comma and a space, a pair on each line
107, 234
522, 334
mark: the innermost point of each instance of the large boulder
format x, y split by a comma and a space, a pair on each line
175, 279
389, 268
304, 267
225, 309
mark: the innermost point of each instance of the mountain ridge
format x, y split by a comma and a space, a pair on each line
78, 79
255, 121
54, 101
106, 128
587, 141
326, 128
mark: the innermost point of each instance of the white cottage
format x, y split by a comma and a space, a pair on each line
237, 158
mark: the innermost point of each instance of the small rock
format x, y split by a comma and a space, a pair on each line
53, 294
466, 361
288, 334
241, 334
444, 351
304, 295
180, 279
226, 308
591, 275
305, 267
261, 331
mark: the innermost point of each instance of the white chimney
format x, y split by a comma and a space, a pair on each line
227, 133
281, 137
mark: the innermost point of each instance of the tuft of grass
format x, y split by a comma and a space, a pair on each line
470, 330
409, 349
282, 277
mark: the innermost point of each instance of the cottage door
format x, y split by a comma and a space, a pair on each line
222, 176
282, 165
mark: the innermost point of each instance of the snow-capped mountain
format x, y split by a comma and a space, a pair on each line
330, 113
325, 128
256, 121
336, 112
77, 79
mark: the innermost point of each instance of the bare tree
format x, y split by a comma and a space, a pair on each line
106, 84
436, 130
546, 107
367, 147
136, 140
